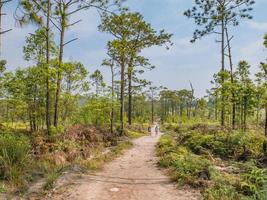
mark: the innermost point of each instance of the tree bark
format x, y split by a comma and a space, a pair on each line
232, 79
59, 75
152, 107
48, 119
223, 68
245, 113
112, 100
122, 96
266, 119
130, 95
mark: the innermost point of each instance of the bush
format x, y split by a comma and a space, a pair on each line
221, 191
254, 182
236, 144
14, 156
185, 167
191, 169
183, 152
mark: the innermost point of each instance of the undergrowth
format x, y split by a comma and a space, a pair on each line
223, 164
25, 157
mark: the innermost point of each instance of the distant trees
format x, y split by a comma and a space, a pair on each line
215, 17
56, 15
180, 103
97, 81
249, 95
53, 92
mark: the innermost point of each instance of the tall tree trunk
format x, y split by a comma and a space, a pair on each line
112, 100
242, 113
223, 68
130, 95
59, 75
152, 107
266, 119
245, 112
48, 119
232, 78
122, 96
216, 106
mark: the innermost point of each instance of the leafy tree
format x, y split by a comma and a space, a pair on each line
74, 85
110, 64
132, 34
264, 77
97, 81
246, 90
35, 48
215, 16
2, 70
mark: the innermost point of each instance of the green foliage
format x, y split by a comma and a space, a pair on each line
253, 182
134, 134
96, 111
51, 179
209, 15
244, 181
35, 48
221, 191
224, 144
185, 167
14, 157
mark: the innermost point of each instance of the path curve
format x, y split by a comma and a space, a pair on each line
133, 176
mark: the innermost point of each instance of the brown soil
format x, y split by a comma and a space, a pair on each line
133, 176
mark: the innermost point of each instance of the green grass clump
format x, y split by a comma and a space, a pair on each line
221, 191
14, 158
51, 179
134, 134
254, 183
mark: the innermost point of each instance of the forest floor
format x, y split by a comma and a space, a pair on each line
132, 176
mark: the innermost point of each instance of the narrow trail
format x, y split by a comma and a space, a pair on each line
133, 176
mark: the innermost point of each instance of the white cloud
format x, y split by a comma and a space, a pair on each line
87, 27
261, 26
253, 52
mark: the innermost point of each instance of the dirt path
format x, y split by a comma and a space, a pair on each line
133, 176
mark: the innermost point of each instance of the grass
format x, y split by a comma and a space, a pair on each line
100, 160
16, 125
51, 179
134, 134
2, 188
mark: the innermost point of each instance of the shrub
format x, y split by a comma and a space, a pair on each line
254, 181
221, 191
185, 167
183, 153
14, 156
191, 169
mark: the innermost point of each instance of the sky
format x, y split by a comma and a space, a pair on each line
184, 61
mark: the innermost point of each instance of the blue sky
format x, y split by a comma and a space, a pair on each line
184, 62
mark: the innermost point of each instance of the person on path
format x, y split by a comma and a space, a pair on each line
149, 129
157, 130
